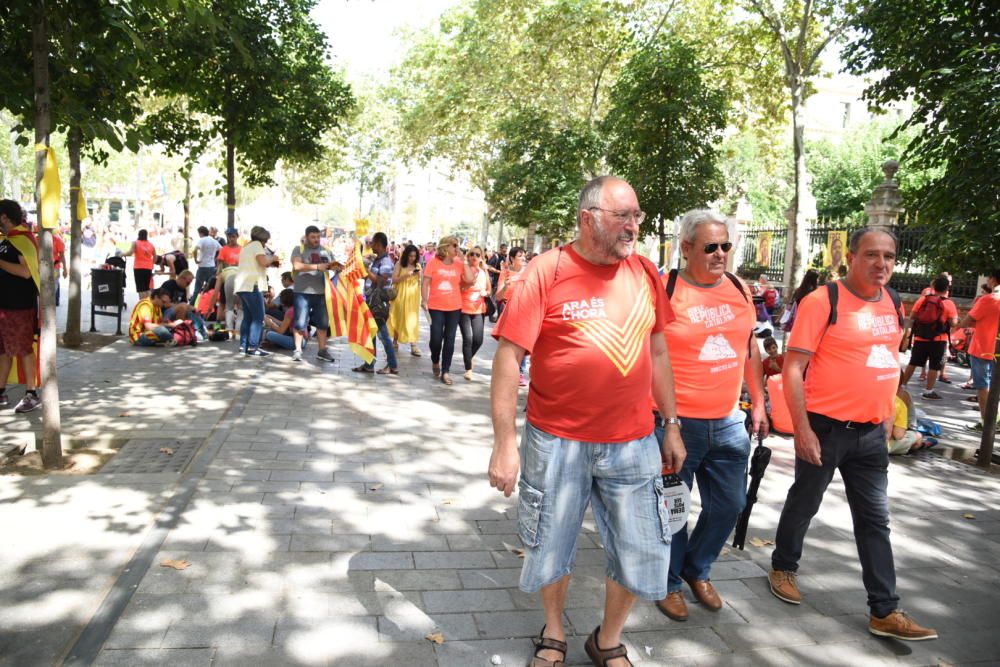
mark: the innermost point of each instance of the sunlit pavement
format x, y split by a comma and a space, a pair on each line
333, 518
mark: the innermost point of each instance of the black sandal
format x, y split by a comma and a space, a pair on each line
542, 643
601, 656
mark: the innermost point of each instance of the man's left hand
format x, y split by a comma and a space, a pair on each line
758, 419
672, 450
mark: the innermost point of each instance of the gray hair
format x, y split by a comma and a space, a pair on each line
695, 217
858, 234
590, 196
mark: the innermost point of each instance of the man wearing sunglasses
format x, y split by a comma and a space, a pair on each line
712, 351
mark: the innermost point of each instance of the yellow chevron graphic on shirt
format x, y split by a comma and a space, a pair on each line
622, 344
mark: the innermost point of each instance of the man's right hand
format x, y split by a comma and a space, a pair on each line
807, 446
505, 462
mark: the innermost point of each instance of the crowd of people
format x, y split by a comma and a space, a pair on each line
636, 373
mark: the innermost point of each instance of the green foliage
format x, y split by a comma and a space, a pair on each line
845, 173
753, 166
539, 170
263, 83
944, 56
663, 130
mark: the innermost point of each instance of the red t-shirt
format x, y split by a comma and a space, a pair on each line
708, 345
950, 312
229, 255
588, 329
854, 370
145, 253
474, 295
58, 251
445, 279
986, 313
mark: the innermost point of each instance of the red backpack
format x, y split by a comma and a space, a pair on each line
929, 319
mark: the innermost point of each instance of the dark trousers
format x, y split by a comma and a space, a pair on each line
444, 324
204, 276
860, 453
472, 336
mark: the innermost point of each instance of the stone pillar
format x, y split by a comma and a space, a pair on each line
885, 207
737, 225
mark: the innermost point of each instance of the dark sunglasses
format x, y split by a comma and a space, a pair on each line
475, 254
712, 247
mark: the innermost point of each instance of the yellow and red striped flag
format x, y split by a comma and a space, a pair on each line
27, 245
349, 313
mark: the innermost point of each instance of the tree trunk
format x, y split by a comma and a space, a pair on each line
15, 167
529, 238
500, 233
230, 181
662, 235
187, 212
51, 427
798, 233
72, 336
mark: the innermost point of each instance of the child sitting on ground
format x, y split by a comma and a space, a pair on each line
903, 439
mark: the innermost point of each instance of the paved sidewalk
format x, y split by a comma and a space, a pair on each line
337, 519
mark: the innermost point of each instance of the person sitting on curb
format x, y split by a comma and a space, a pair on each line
903, 439
279, 332
146, 327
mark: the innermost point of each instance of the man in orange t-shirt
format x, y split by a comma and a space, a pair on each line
711, 349
842, 414
591, 314
930, 342
985, 317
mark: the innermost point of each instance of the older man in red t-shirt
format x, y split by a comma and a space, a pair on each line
591, 313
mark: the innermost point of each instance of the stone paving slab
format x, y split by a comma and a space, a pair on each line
153, 456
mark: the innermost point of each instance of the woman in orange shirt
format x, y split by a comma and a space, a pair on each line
475, 290
443, 304
142, 266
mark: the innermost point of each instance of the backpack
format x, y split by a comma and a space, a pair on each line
184, 334
834, 294
928, 320
672, 284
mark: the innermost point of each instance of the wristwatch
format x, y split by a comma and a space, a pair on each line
672, 420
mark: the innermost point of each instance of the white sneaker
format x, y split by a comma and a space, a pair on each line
28, 403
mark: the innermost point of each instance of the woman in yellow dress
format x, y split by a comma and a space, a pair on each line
404, 314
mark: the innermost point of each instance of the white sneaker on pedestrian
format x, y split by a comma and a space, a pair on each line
297, 355
28, 403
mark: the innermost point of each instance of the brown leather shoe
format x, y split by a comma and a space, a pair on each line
899, 625
784, 587
673, 606
705, 593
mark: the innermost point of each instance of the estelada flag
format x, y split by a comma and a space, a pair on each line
348, 311
26, 243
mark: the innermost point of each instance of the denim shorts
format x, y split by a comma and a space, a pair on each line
310, 309
982, 372
621, 481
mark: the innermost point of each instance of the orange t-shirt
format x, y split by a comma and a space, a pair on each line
445, 279
145, 253
854, 370
708, 345
588, 329
986, 313
229, 255
474, 296
950, 311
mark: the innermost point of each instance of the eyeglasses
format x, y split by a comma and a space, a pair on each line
622, 216
712, 247
474, 254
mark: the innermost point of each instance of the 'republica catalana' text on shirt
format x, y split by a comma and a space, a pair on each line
854, 370
708, 345
588, 329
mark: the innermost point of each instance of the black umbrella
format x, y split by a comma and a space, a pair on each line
758, 464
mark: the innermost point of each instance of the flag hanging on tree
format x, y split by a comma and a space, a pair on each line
348, 311
49, 189
81, 205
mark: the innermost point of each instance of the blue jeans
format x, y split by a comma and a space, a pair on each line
390, 349
162, 336
204, 276
717, 454
620, 481
252, 328
284, 341
310, 308
444, 324
860, 453
196, 319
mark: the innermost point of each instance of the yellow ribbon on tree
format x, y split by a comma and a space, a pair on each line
81, 206
49, 189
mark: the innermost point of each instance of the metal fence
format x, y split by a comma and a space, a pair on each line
763, 252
